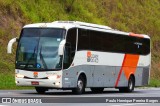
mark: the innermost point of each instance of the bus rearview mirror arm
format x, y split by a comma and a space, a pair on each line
61, 47
10, 43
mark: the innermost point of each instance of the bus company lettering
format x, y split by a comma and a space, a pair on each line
92, 57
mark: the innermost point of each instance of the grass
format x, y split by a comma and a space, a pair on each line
139, 16
8, 82
7, 76
154, 83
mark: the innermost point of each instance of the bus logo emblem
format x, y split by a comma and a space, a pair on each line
35, 74
92, 57
88, 56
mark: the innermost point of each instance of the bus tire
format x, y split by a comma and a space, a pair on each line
80, 86
97, 90
130, 87
41, 90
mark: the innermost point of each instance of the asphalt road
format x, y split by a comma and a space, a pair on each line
110, 97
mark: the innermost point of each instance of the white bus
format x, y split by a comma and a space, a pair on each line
77, 55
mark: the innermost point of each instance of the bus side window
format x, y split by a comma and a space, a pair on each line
83, 39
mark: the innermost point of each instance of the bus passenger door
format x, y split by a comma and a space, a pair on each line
67, 56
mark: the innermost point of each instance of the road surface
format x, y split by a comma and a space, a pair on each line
66, 98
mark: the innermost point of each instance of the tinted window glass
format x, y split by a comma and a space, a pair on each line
109, 42
96, 39
83, 39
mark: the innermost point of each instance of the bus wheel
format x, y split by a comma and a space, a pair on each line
40, 90
80, 86
130, 87
97, 90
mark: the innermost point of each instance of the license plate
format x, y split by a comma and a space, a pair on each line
35, 83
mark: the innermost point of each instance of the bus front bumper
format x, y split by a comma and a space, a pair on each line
38, 82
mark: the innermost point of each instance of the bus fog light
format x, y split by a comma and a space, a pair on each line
57, 83
16, 82
19, 76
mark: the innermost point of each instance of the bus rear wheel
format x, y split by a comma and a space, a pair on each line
97, 90
80, 86
130, 87
41, 90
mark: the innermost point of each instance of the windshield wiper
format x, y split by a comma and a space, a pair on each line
42, 59
31, 57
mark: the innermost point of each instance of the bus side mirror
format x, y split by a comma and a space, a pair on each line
10, 43
61, 47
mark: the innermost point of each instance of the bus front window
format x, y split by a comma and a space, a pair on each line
38, 49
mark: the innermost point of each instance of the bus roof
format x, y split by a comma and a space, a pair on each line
71, 24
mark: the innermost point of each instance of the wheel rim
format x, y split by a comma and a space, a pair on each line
80, 84
130, 84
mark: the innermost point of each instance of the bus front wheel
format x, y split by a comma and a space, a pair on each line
80, 86
40, 90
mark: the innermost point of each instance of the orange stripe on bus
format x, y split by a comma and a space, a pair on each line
129, 64
137, 35
120, 72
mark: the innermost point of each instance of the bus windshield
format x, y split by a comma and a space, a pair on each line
38, 49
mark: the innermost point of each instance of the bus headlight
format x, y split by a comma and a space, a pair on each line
19, 76
53, 77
